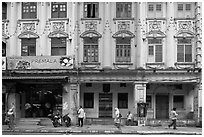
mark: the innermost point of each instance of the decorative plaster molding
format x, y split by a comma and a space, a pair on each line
123, 34
28, 34
58, 34
90, 34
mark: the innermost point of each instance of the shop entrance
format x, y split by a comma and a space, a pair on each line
39, 100
162, 106
105, 105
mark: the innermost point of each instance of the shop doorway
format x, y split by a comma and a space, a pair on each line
162, 106
105, 105
39, 100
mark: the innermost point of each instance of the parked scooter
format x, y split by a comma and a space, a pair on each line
67, 120
56, 119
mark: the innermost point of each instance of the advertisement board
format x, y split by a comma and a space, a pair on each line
39, 62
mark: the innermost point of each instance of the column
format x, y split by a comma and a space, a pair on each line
43, 47
12, 28
139, 96
70, 101
140, 36
107, 50
170, 56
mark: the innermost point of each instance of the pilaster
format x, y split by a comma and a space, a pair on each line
170, 56
107, 54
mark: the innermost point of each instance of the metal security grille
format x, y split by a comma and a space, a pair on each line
105, 105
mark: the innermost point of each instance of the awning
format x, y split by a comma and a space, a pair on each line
33, 77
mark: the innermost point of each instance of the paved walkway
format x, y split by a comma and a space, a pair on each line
106, 129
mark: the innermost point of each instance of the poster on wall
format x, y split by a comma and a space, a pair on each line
40, 62
3, 63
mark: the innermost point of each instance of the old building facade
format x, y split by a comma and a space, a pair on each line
102, 55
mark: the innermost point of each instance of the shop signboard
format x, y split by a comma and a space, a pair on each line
3, 63
39, 62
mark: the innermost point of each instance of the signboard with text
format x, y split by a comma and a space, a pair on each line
3, 63
39, 62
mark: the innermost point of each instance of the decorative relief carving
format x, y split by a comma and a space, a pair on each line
58, 26
185, 25
123, 25
155, 25
28, 27
91, 25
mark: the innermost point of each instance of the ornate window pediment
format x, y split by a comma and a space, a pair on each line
123, 34
28, 34
90, 34
155, 34
58, 34
184, 34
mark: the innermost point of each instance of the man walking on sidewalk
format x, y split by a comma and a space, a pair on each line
173, 116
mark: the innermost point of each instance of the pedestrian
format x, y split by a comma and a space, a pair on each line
129, 118
10, 117
173, 117
117, 118
81, 116
28, 110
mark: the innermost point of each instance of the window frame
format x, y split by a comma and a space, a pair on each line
90, 96
91, 50
123, 50
58, 46
154, 47
28, 47
123, 99
90, 11
184, 59
122, 13
184, 7
29, 7
183, 102
59, 13
154, 8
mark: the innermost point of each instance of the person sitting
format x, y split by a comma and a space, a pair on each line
129, 118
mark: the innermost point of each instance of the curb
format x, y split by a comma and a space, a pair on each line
104, 132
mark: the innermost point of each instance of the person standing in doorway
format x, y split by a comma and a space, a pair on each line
173, 117
117, 118
81, 116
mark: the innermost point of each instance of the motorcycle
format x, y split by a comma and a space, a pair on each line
56, 119
67, 120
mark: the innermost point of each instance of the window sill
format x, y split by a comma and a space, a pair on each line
56, 19
155, 63
155, 18
184, 18
90, 63
22, 20
122, 63
91, 19
123, 19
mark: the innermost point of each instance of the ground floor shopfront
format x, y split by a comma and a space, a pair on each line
100, 92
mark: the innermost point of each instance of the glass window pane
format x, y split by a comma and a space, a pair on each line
150, 7
151, 50
178, 101
122, 100
158, 7
188, 7
180, 7
88, 100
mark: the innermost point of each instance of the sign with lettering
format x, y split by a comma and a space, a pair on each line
3, 63
39, 62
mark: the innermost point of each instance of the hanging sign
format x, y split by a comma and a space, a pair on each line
40, 62
3, 63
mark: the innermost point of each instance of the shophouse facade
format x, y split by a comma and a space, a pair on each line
102, 55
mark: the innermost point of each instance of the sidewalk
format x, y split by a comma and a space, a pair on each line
106, 129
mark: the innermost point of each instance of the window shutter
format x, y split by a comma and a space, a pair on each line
180, 53
158, 53
188, 53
